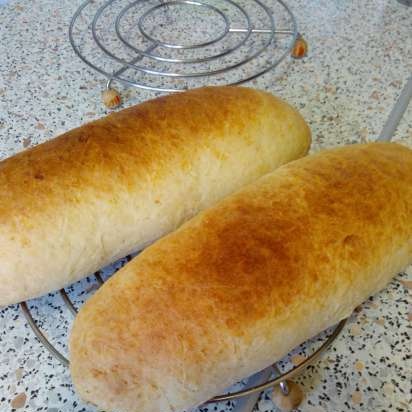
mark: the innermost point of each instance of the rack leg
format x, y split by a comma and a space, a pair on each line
111, 97
284, 388
287, 396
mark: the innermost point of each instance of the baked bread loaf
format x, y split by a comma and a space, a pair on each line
95, 194
244, 282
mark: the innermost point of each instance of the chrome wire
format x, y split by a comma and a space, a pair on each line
248, 30
182, 46
40, 335
132, 64
188, 74
68, 302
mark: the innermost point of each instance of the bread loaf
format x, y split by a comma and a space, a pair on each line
245, 281
78, 202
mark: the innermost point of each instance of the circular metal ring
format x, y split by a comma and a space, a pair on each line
182, 46
118, 74
183, 75
225, 52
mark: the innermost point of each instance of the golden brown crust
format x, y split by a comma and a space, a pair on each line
242, 283
148, 135
94, 194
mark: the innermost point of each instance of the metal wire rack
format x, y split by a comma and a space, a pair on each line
278, 379
175, 45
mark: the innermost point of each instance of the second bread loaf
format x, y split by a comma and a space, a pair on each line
244, 282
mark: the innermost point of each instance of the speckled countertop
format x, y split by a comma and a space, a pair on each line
360, 57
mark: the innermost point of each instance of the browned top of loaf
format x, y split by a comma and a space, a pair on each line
114, 152
267, 249
248, 255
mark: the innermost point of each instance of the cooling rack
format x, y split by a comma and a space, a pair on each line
171, 46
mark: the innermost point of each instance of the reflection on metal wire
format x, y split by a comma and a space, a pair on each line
154, 51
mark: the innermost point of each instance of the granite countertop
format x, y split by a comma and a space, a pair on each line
360, 57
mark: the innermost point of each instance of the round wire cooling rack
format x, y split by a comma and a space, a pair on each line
174, 45
273, 379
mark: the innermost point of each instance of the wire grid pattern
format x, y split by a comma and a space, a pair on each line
175, 45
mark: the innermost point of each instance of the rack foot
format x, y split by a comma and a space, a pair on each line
111, 98
287, 396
